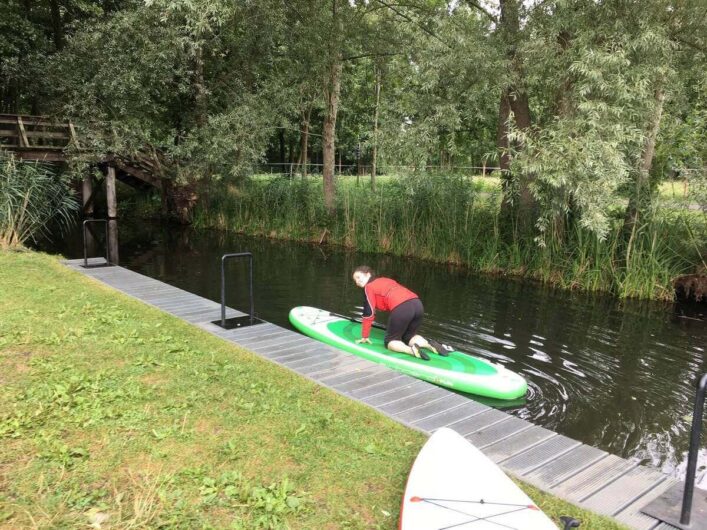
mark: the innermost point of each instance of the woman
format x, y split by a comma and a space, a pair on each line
405, 309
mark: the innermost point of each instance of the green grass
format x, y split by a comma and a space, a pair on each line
117, 415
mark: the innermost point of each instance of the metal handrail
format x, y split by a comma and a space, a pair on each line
85, 249
224, 258
695, 433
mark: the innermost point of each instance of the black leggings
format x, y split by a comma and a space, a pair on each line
404, 321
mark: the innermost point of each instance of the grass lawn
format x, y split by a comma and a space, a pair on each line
116, 415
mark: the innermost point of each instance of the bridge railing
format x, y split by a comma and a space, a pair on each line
35, 132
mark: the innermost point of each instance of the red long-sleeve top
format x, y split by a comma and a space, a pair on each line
383, 294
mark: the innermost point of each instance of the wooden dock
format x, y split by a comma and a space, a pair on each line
581, 474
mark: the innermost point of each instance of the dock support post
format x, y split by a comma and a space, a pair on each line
87, 208
87, 194
112, 215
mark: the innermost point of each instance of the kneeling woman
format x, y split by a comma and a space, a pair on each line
405, 309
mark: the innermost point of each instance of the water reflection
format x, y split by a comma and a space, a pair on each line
619, 376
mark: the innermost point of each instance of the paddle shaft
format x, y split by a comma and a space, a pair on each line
352, 319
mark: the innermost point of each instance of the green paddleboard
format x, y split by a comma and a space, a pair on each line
459, 370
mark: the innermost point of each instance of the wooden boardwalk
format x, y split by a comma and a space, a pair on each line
583, 475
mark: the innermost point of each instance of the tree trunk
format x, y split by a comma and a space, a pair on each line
563, 109
640, 200
200, 102
57, 25
514, 99
374, 154
304, 140
331, 94
291, 152
283, 160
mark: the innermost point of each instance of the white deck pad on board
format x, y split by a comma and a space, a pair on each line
453, 485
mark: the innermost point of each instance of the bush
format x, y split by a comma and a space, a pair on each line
31, 197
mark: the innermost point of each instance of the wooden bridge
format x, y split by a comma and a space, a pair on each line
37, 137
42, 139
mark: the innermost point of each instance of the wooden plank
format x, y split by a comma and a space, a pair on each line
289, 357
262, 347
401, 393
621, 493
321, 356
23, 135
585, 483
338, 362
498, 431
451, 416
410, 405
347, 364
48, 134
448, 401
517, 443
303, 367
273, 352
264, 339
357, 375
539, 455
380, 388
478, 421
373, 377
380, 380
634, 518
289, 352
565, 466
74, 136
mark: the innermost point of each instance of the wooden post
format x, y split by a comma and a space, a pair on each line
87, 202
113, 255
87, 195
112, 214
22, 134
73, 136
111, 199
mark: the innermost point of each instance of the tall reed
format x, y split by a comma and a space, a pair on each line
447, 219
31, 197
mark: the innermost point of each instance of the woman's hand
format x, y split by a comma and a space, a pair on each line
364, 341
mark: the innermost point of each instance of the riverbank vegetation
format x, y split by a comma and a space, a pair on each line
450, 219
120, 416
32, 202
583, 109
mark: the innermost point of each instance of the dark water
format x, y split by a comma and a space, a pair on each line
615, 375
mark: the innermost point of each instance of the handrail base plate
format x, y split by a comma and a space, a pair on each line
668, 506
239, 322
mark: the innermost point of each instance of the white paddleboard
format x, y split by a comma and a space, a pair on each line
453, 485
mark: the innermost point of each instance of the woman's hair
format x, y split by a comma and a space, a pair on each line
365, 269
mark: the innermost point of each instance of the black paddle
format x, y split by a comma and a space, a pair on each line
352, 319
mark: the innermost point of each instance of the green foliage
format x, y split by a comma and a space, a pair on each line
615, 96
31, 197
